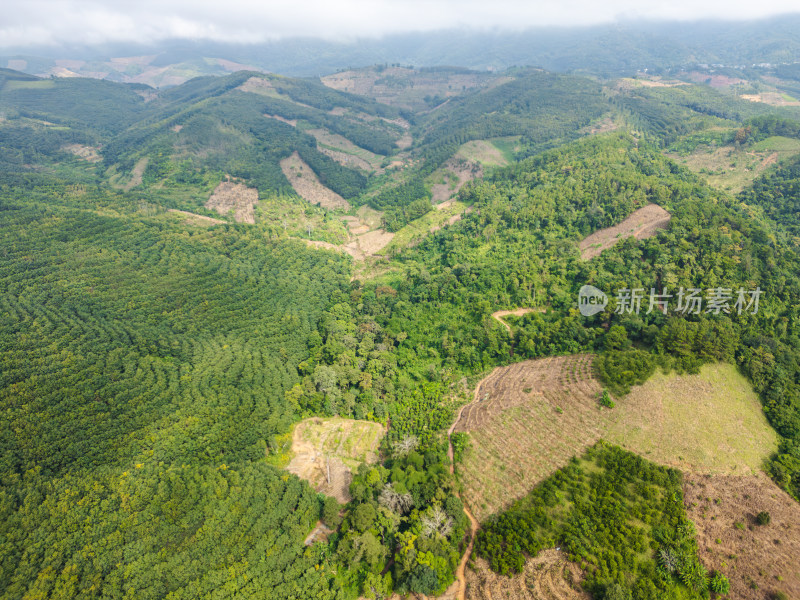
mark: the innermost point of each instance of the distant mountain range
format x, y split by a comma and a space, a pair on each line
609, 50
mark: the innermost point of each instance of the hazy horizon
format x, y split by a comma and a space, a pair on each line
89, 22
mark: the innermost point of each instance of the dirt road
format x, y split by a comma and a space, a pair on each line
461, 580
518, 312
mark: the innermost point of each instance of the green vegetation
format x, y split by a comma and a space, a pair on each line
622, 369
618, 516
778, 194
150, 370
605, 400
685, 421
143, 370
541, 107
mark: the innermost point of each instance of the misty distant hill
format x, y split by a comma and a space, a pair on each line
608, 50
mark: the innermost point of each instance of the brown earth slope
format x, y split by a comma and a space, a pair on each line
759, 560
549, 576
641, 224
236, 197
307, 185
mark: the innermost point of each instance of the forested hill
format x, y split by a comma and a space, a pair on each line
143, 377
153, 361
220, 125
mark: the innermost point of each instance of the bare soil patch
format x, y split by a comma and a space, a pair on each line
548, 576
320, 533
88, 153
641, 224
292, 122
259, 85
340, 144
603, 125
629, 82
195, 219
305, 183
237, 197
351, 161
321, 244
407, 88
759, 560
325, 451
456, 172
136, 174
714, 80
232, 66
449, 221
366, 237
771, 98
18, 63
769, 160
368, 244
526, 421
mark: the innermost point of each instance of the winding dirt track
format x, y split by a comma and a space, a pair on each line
473, 523
498, 316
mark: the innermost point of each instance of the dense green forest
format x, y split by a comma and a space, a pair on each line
150, 370
541, 107
609, 509
519, 248
143, 371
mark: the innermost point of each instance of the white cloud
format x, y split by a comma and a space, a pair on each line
91, 21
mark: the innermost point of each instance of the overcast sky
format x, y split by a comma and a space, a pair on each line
36, 22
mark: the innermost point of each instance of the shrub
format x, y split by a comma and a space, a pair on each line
620, 370
719, 584
605, 400
763, 518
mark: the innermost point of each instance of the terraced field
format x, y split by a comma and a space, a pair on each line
548, 576
236, 197
526, 421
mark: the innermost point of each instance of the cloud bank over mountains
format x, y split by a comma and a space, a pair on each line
45, 22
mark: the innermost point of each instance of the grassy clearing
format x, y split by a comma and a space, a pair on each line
419, 228
530, 418
778, 143
706, 423
489, 153
351, 440
296, 219
326, 451
732, 169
